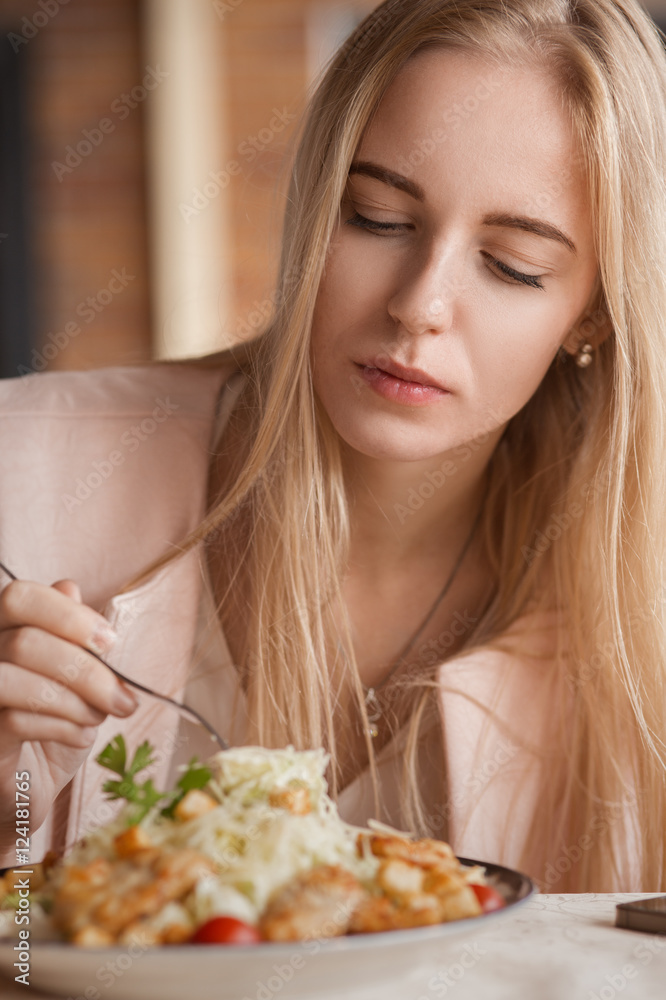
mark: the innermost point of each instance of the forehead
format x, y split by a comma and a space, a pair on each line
460, 124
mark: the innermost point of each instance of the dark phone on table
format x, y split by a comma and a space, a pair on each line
643, 915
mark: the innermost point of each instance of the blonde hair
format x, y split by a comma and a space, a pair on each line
593, 437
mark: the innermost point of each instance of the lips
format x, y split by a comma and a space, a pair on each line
404, 372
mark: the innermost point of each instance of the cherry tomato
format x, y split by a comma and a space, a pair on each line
489, 898
226, 930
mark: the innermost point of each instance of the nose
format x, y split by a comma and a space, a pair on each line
423, 300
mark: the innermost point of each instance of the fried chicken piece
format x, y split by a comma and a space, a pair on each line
426, 852
113, 896
141, 934
412, 885
79, 888
379, 913
173, 874
172, 925
421, 883
316, 904
460, 904
375, 913
441, 881
294, 800
400, 879
457, 900
178, 871
92, 937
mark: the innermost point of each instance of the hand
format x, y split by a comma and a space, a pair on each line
53, 694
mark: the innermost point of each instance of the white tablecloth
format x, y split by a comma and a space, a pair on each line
553, 948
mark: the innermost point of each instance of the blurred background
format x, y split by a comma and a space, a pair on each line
143, 154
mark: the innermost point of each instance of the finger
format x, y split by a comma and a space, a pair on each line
26, 726
24, 602
57, 660
29, 691
69, 588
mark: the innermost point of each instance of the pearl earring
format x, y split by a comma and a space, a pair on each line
584, 356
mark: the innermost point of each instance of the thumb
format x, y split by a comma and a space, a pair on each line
69, 588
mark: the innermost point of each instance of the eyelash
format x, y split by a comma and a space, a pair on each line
532, 280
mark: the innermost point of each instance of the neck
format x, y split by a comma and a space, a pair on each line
405, 510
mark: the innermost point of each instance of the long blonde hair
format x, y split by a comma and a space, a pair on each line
574, 513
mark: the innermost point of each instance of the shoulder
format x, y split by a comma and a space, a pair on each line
507, 674
502, 708
189, 389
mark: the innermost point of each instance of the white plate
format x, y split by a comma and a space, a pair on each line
318, 970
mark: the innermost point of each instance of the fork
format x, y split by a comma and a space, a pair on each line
183, 709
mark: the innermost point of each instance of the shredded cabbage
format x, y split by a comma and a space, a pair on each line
257, 847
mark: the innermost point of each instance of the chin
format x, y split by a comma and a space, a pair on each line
390, 444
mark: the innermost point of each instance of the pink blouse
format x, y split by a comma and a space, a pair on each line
105, 470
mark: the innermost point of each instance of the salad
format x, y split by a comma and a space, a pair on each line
248, 847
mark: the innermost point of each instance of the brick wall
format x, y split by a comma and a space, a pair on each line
88, 215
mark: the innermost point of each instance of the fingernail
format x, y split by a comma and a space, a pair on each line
102, 639
125, 702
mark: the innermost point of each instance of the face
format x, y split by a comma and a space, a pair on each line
462, 259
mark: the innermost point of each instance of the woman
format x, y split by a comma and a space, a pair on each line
434, 520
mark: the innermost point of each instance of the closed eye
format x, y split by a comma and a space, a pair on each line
516, 277
533, 280
378, 227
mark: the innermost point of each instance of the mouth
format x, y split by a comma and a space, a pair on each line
413, 376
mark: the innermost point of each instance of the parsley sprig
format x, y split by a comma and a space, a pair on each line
143, 796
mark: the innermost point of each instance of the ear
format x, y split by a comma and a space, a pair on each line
593, 325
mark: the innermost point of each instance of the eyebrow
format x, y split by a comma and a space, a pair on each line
527, 225
388, 177
538, 227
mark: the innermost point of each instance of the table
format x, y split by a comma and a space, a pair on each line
555, 947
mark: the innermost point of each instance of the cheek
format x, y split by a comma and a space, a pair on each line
352, 289
513, 347
337, 315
